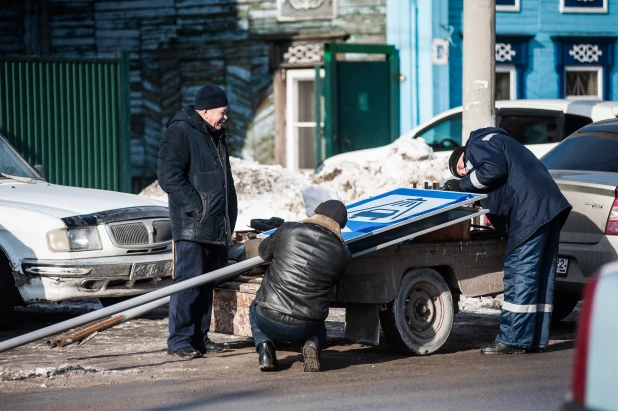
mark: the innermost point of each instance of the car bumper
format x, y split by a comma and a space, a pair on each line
585, 259
56, 280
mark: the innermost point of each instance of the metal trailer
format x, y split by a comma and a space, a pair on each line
412, 290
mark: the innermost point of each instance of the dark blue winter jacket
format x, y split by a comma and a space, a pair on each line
522, 196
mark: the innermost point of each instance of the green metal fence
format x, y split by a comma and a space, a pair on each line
71, 115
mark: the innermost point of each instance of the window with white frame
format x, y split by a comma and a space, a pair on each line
583, 82
300, 119
507, 5
506, 82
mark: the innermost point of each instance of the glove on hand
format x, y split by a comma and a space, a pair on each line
451, 185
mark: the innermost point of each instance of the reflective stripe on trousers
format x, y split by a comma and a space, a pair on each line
529, 273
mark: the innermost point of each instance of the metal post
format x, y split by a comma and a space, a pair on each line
478, 65
221, 274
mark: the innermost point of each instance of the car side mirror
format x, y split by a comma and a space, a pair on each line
40, 169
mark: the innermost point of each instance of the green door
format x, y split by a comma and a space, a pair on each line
364, 105
360, 98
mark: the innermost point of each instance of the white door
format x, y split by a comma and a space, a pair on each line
300, 119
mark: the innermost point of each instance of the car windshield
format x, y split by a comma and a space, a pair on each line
11, 164
593, 148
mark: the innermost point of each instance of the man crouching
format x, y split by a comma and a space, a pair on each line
291, 305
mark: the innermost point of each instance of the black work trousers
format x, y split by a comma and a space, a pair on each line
190, 310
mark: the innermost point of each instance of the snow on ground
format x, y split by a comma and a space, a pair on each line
266, 191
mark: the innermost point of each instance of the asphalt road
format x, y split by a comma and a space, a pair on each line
116, 375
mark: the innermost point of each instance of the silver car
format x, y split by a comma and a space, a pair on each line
585, 166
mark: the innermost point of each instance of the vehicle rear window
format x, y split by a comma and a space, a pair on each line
586, 150
530, 129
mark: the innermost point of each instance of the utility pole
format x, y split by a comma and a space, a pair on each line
479, 60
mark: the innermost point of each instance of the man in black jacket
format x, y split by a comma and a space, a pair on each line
194, 170
291, 305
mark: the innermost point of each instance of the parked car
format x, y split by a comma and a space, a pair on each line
594, 379
59, 242
585, 167
538, 124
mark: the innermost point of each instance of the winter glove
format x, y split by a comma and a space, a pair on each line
451, 185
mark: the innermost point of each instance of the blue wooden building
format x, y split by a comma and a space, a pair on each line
544, 49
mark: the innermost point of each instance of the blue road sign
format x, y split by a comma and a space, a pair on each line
396, 208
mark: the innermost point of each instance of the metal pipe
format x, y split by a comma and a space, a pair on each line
79, 334
154, 299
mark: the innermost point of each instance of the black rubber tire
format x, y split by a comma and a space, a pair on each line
107, 301
7, 292
564, 303
427, 330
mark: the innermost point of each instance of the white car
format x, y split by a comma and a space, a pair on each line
594, 378
59, 242
538, 124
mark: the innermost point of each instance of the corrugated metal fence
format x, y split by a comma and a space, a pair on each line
71, 115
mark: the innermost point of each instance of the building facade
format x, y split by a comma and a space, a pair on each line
544, 49
263, 53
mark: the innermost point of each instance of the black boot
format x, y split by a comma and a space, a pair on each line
267, 356
499, 348
311, 355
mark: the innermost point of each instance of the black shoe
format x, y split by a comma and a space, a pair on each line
499, 348
215, 347
536, 350
311, 355
267, 356
187, 352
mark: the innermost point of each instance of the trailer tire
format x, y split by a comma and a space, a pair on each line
419, 319
7, 292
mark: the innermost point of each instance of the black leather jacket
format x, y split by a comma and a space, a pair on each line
194, 170
307, 260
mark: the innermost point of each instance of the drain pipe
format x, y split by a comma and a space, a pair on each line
135, 306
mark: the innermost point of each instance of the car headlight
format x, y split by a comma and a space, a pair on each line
74, 239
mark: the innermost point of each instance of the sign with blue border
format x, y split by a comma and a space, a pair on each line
396, 208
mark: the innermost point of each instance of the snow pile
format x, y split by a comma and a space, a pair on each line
266, 191
407, 161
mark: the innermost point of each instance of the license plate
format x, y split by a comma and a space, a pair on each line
147, 270
563, 266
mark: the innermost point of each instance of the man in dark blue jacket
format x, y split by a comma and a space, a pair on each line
525, 203
194, 170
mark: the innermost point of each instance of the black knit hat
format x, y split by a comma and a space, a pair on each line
334, 209
454, 159
210, 97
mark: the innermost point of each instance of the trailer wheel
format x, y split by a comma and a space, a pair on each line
419, 319
7, 291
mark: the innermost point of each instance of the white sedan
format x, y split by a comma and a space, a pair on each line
538, 124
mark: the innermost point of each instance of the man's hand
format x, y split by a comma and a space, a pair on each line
451, 185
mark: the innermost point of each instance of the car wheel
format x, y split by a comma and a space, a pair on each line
7, 292
564, 303
419, 319
107, 301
